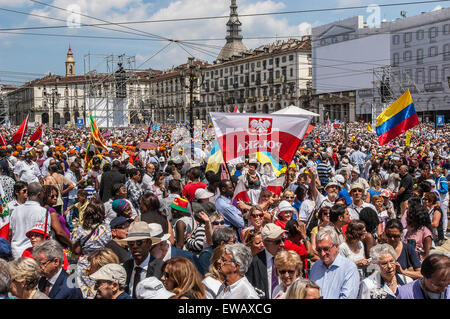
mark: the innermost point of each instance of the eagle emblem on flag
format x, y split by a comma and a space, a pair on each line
259, 126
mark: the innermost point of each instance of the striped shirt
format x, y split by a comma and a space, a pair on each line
324, 172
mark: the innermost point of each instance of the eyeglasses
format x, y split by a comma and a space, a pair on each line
283, 271
290, 197
386, 263
215, 223
356, 190
43, 265
99, 283
257, 215
324, 249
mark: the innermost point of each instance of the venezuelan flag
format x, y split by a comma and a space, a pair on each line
266, 157
396, 119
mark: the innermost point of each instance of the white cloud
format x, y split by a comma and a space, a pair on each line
14, 3
437, 8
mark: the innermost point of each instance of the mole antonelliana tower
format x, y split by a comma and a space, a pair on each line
234, 45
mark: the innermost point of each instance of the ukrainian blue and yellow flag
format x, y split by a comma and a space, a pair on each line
215, 158
266, 157
396, 119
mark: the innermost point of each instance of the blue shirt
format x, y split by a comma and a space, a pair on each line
441, 185
339, 281
231, 214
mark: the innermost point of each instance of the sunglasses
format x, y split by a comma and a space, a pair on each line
215, 223
290, 197
166, 274
283, 271
257, 215
393, 236
137, 242
324, 249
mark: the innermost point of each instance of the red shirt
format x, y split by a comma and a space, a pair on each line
300, 249
189, 190
280, 223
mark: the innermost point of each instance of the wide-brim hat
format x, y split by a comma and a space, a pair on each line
356, 186
333, 184
137, 231
157, 233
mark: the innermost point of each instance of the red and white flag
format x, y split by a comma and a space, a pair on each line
276, 186
236, 110
240, 192
246, 133
3, 141
18, 136
37, 134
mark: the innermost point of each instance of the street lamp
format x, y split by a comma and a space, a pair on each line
192, 72
53, 98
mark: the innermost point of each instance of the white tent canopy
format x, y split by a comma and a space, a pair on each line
295, 110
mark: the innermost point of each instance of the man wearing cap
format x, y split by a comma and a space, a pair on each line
357, 193
119, 230
110, 282
142, 265
162, 164
344, 192
261, 272
194, 175
152, 288
202, 202
355, 178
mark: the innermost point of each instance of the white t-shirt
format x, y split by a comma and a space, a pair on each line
241, 289
24, 218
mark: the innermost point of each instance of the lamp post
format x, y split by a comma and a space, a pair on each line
54, 98
192, 72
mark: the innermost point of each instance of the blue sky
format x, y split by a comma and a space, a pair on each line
38, 54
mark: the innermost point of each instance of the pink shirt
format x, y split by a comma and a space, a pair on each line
419, 235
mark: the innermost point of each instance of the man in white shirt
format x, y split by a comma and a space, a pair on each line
26, 170
24, 218
358, 194
50, 159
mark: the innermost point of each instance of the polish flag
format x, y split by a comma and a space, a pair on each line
241, 134
240, 192
3, 141
276, 186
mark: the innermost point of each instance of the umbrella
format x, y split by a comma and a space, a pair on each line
147, 145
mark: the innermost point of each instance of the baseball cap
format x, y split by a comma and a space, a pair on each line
180, 204
271, 231
152, 288
339, 178
162, 159
202, 193
111, 272
333, 184
38, 228
119, 220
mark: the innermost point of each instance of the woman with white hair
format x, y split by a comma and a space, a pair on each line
383, 283
25, 275
233, 265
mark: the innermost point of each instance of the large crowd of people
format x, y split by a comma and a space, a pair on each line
141, 219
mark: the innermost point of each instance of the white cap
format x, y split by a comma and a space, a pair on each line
202, 193
152, 288
271, 231
111, 272
162, 159
339, 178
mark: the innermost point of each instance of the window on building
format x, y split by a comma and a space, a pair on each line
396, 39
283, 59
419, 56
258, 64
291, 57
407, 37
446, 51
221, 72
433, 74
433, 33
446, 29
420, 76
291, 72
252, 66
395, 59
310, 72
433, 51
407, 55
270, 61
